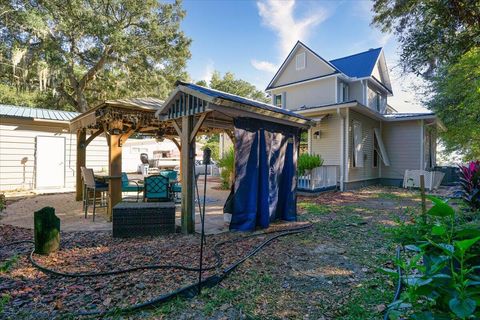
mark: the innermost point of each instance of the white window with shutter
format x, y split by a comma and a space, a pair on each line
300, 61
357, 145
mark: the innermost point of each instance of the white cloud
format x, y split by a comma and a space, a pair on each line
279, 16
208, 71
264, 66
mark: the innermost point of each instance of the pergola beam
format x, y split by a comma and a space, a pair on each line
177, 128
93, 136
187, 162
114, 172
197, 126
81, 162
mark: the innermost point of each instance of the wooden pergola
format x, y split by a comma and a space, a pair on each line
117, 120
189, 110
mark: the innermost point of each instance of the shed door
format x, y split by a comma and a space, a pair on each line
50, 162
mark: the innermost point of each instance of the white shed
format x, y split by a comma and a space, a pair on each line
37, 151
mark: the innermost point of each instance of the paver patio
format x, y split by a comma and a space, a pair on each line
20, 211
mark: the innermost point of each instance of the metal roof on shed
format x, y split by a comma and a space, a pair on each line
36, 113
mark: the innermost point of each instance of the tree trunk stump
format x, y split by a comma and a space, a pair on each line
46, 231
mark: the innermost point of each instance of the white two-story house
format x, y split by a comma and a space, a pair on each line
356, 129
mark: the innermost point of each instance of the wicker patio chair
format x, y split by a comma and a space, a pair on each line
90, 185
129, 185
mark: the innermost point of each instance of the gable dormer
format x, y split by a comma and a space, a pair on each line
366, 65
301, 64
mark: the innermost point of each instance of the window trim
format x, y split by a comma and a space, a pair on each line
303, 58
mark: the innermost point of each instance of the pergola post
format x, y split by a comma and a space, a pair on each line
187, 162
114, 171
81, 162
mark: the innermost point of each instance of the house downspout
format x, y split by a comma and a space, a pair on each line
380, 163
347, 145
342, 150
309, 140
422, 145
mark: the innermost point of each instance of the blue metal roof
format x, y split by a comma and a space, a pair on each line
359, 65
35, 113
231, 97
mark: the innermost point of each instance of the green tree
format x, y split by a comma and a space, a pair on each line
228, 83
431, 33
84, 51
456, 100
213, 143
439, 40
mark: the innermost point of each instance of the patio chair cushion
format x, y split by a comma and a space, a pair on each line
132, 187
170, 174
177, 187
128, 185
100, 185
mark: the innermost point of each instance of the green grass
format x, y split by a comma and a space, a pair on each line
4, 299
314, 208
365, 299
7, 265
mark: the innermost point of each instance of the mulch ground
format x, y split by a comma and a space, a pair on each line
34, 294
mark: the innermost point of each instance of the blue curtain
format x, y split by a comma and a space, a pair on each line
265, 174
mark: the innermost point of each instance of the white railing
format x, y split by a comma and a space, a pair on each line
319, 178
411, 179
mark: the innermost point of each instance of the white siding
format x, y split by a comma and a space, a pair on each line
403, 142
367, 171
18, 141
311, 94
314, 67
328, 145
354, 91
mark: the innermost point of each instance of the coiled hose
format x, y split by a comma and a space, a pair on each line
187, 291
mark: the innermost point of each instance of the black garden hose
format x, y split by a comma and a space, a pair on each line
399, 284
187, 291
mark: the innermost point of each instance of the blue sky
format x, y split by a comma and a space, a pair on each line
252, 38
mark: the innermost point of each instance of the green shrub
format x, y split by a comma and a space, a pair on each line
4, 299
441, 271
307, 162
214, 145
227, 164
3, 202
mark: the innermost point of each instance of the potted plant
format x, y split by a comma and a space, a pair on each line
308, 162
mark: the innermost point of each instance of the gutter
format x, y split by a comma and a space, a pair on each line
342, 150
